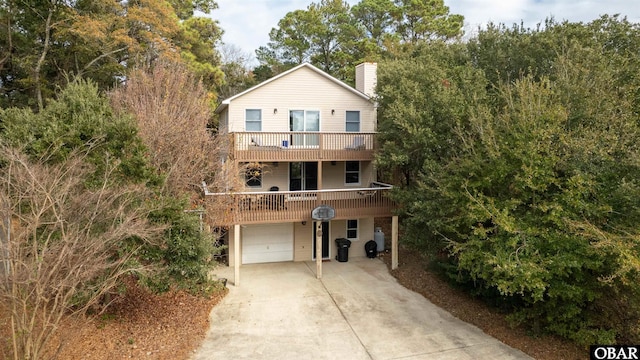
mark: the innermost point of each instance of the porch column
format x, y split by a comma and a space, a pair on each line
319, 226
394, 242
236, 254
319, 249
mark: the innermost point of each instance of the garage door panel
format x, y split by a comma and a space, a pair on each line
267, 243
256, 258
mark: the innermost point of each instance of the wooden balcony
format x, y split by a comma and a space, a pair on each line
290, 206
302, 146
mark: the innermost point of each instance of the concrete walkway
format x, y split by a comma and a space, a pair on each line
356, 311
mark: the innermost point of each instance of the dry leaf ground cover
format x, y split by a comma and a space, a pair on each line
140, 325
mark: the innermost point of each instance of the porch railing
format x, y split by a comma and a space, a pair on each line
279, 206
301, 146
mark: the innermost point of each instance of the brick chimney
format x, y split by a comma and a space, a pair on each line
366, 78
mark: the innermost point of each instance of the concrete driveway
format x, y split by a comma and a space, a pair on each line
356, 311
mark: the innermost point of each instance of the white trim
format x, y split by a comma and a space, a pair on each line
304, 124
245, 119
304, 114
347, 122
225, 103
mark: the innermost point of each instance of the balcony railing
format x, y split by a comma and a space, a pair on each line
302, 146
284, 206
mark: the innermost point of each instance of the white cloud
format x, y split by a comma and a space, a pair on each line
247, 23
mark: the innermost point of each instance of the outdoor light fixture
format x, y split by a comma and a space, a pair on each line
333, 111
275, 111
304, 223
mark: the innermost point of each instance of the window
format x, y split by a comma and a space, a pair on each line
253, 175
304, 121
352, 229
352, 172
353, 121
253, 120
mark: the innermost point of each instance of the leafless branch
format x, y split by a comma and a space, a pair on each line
61, 243
172, 111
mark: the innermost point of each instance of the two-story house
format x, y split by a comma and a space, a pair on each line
297, 141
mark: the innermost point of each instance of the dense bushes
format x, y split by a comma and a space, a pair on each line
531, 185
81, 119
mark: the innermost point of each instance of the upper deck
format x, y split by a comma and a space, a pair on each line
302, 146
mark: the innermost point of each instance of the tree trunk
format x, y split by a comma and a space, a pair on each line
45, 49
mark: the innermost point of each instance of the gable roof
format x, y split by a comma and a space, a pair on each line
225, 103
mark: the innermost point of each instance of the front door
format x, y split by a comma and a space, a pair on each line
325, 239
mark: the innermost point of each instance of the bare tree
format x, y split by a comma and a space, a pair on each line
61, 244
172, 110
237, 74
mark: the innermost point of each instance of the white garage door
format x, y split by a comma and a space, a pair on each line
267, 243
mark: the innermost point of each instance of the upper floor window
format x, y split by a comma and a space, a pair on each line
253, 120
352, 172
353, 121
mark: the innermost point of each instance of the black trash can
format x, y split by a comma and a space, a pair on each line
343, 249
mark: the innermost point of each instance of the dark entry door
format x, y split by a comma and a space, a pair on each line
325, 239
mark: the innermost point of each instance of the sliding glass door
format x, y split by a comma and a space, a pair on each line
304, 121
303, 176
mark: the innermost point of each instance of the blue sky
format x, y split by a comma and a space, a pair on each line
247, 22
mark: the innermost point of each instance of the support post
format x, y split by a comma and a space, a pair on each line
394, 242
319, 249
236, 255
319, 224
319, 184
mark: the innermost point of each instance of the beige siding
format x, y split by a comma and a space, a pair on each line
366, 78
302, 250
333, 175
338, 230
303, 89
273, 174
366, 227
277, 174
303, 234
365, 233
